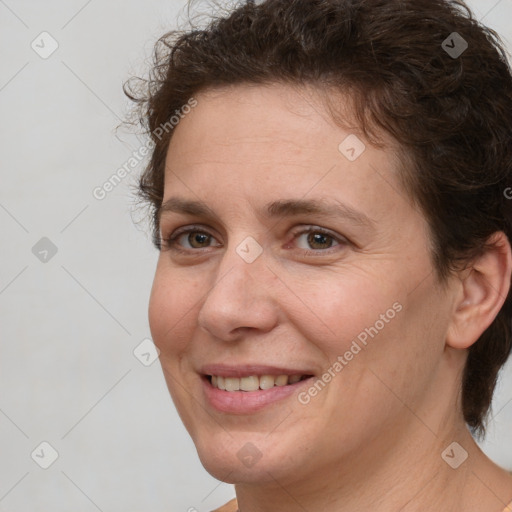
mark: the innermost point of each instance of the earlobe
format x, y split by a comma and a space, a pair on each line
484, 287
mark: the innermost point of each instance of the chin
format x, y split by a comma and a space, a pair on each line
226, 467
237, 459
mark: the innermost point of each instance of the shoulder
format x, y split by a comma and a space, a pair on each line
230, 506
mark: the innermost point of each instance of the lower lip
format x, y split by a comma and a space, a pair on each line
246, 402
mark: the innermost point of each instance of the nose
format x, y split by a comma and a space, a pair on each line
241, 300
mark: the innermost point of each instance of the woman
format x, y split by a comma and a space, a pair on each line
332, 297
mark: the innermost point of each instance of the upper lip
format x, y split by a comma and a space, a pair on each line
248, 370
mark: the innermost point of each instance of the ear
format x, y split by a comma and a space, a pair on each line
484, 286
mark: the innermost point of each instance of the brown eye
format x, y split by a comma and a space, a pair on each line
190, 240
318, 240
198, 240
315, 240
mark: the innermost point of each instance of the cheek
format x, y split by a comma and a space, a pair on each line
334, 310
404, 346
171, 311
370, 332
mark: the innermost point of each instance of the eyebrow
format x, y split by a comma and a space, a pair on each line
316, 207
275, 209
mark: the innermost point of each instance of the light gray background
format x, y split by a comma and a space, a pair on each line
69, 326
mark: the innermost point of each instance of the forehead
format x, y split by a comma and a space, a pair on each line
274, 114
270, 140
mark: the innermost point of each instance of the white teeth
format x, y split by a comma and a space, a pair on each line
249, 383
253, 383
267, 381
282, 380
231, 384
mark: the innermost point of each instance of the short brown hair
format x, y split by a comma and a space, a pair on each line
450, 113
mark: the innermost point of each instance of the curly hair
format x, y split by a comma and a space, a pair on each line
449, 111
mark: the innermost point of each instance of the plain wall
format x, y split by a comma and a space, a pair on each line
69, 325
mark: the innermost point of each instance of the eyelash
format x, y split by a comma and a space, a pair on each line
170, 243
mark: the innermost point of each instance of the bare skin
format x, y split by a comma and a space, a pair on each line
373, 438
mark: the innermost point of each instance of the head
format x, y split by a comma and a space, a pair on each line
354, 151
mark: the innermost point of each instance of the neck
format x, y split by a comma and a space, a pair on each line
400, 469
412, 479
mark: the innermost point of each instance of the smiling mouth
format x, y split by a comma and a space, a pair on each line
254, 382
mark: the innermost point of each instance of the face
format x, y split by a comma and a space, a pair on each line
291, 250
